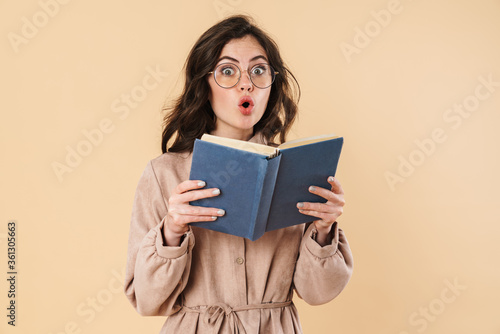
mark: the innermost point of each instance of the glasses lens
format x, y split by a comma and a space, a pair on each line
262, 75
227, 75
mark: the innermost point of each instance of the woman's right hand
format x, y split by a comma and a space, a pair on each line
181, 213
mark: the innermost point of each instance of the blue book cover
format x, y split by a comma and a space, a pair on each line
301, 167
259, 192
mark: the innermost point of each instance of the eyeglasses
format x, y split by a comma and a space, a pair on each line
228, 75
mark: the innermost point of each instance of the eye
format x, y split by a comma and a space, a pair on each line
259, 70
227, 70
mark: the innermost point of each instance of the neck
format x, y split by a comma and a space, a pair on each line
240, 135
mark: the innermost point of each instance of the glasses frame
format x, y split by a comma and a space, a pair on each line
249, 75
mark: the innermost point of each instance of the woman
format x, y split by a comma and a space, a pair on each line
209, 282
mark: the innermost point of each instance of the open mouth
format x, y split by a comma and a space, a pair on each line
246, 105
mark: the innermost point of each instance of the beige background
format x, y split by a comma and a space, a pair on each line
438, 225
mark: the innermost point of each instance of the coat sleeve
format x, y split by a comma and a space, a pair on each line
156, 274
321, 273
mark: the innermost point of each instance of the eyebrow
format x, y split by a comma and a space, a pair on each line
235, 60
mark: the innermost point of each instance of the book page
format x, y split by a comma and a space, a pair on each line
241, 145
307, 140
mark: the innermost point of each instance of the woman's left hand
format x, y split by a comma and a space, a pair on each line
327, 212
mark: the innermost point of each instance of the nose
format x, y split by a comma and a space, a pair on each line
245, 82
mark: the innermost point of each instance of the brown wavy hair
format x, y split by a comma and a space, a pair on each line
191, 115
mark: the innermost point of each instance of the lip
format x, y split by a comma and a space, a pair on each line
246, 98
248, 110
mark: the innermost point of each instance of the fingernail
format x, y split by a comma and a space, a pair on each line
221, 212
214, 217
300, 205
201, 184
312, 188
330, 178
216, 191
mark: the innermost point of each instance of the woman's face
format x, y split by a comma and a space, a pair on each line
233, 120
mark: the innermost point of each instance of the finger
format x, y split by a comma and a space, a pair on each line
325, 193
184, 220
188, 185
193, 210
201, 219
321, 215
194, 195
323, 208
336, 187
320, 207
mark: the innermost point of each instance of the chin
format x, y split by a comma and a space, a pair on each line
247, 125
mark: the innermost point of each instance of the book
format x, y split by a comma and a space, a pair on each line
260, 185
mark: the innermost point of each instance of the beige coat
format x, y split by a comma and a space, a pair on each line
218, 283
